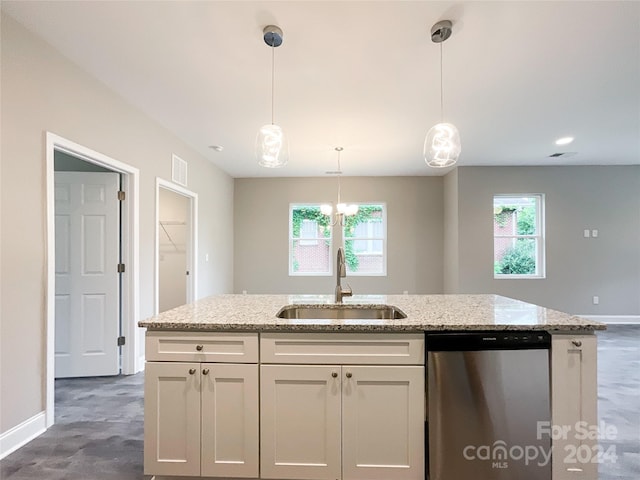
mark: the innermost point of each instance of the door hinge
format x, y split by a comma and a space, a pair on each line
120, 341
121, 268
121, 195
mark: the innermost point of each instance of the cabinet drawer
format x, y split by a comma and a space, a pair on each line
342, 348
219, 347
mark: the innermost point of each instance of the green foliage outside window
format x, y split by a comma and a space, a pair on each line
365, 213
309, 213
518, 260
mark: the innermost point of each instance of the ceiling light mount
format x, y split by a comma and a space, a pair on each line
441, 31
272, 35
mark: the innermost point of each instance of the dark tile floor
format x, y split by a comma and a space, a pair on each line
98, 433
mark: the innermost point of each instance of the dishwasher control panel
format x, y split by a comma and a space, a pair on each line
507, 340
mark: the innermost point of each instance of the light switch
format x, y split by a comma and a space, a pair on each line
587, 233
596, 300
594, 233
206, 257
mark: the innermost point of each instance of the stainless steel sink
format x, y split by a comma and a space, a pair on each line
340, 312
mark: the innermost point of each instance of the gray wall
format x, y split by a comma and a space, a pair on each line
43, 91
414, 232
577, 268
451, 252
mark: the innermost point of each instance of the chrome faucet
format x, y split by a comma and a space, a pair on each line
341, 271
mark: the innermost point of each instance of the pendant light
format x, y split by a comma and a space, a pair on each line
272, 149
342, 209
442, 144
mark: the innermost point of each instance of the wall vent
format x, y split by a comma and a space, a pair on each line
179, 171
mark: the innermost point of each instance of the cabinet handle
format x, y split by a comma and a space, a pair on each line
199, 348
205, 371
577, 343
192, 371
349, 375
334, 374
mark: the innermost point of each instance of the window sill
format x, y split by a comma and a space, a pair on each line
519, 277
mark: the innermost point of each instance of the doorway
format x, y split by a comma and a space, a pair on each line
87, 281
131, 360
176, 246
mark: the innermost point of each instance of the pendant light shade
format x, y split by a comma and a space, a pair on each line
272, 148
442, 145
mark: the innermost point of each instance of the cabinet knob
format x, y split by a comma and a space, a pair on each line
334, 374
192, 371
199, 348
205, 371
349, 375
577, 343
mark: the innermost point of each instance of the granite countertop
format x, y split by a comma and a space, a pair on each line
424, 313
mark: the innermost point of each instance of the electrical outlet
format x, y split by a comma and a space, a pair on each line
206, 257
596, 300
594, 233
587, 233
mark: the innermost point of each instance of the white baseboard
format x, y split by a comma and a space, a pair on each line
21, 434
614, 319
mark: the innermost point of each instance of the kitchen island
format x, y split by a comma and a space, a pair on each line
233, 391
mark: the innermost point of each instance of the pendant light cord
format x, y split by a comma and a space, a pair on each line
273, 62
441, 88
339, 175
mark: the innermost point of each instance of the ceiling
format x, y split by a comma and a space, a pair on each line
365, 76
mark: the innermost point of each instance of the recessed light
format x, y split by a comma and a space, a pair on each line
564, 141
217, 148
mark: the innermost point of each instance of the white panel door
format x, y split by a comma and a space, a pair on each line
172, 418
300, 422
229, 420
87, 302
383, 423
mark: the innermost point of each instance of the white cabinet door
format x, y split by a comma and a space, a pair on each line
383, 423
300, 422
172, 419
573, 400
229, 420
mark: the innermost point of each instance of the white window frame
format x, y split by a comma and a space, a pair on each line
539, 237
383, 239
330, 238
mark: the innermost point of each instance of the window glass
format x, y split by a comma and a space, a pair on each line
364, 241
309, 241
518, 243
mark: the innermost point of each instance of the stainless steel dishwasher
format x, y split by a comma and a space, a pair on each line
487, 393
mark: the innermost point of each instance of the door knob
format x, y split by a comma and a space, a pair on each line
205, 371
577, 343
199, 348
192, 371
334, 374
349, 375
